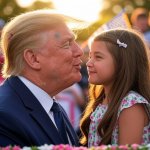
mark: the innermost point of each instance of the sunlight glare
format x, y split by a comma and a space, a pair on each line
25, 3
87, 10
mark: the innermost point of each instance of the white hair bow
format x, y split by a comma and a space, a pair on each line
121, 44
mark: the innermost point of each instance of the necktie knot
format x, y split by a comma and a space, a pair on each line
55, 107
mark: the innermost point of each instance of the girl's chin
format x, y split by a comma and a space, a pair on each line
93, 81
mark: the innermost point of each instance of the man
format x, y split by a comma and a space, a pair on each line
41, 58
139, 20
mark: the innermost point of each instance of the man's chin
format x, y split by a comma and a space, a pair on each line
76, 78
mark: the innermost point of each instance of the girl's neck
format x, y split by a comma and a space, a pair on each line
106, 100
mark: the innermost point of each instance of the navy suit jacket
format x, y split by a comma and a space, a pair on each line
23, 121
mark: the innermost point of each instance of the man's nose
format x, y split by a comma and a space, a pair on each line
78, 50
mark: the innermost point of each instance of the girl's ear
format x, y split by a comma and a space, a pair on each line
30, 58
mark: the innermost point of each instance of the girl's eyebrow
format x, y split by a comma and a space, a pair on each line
97, 52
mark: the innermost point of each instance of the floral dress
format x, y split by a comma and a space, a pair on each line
128, 101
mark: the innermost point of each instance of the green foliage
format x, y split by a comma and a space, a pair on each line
34, 148
10, 8
41, 5
87, 32
111, 9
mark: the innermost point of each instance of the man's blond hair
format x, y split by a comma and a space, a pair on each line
22, 33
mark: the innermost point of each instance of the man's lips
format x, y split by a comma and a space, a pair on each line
77, 65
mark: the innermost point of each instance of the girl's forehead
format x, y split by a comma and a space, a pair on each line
96, 45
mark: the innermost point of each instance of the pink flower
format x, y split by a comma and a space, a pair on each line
135, 146
123, 147
58, 147
80, 148
16, 148
103, 147
113, 147
6, 148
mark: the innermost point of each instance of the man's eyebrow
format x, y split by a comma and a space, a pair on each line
69, 38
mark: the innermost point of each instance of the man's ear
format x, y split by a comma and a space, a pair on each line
30, 58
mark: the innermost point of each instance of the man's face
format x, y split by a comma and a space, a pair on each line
142, 24
60, 57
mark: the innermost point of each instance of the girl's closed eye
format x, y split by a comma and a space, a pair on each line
99, 57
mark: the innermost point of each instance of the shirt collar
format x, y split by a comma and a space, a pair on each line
45, 100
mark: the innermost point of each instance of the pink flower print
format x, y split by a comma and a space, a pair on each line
93, 143
91, 117
145, 132
93, 128
90, 134
97, 142
124, 102
133, 102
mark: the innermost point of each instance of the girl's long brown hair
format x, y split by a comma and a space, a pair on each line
132, 73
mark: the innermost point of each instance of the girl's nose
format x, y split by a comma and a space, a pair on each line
89, 63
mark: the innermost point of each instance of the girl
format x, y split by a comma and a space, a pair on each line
119, 63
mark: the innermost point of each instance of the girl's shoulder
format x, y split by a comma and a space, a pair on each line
131, 99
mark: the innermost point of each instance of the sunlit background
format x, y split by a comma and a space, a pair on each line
87, 10
96, 12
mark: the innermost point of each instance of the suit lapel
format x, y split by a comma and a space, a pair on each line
47, 125
35, 109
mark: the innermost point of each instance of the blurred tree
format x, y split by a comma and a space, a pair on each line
10, 8
83, 34
41, 5
111, 9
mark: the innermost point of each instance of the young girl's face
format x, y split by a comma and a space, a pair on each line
100, 65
